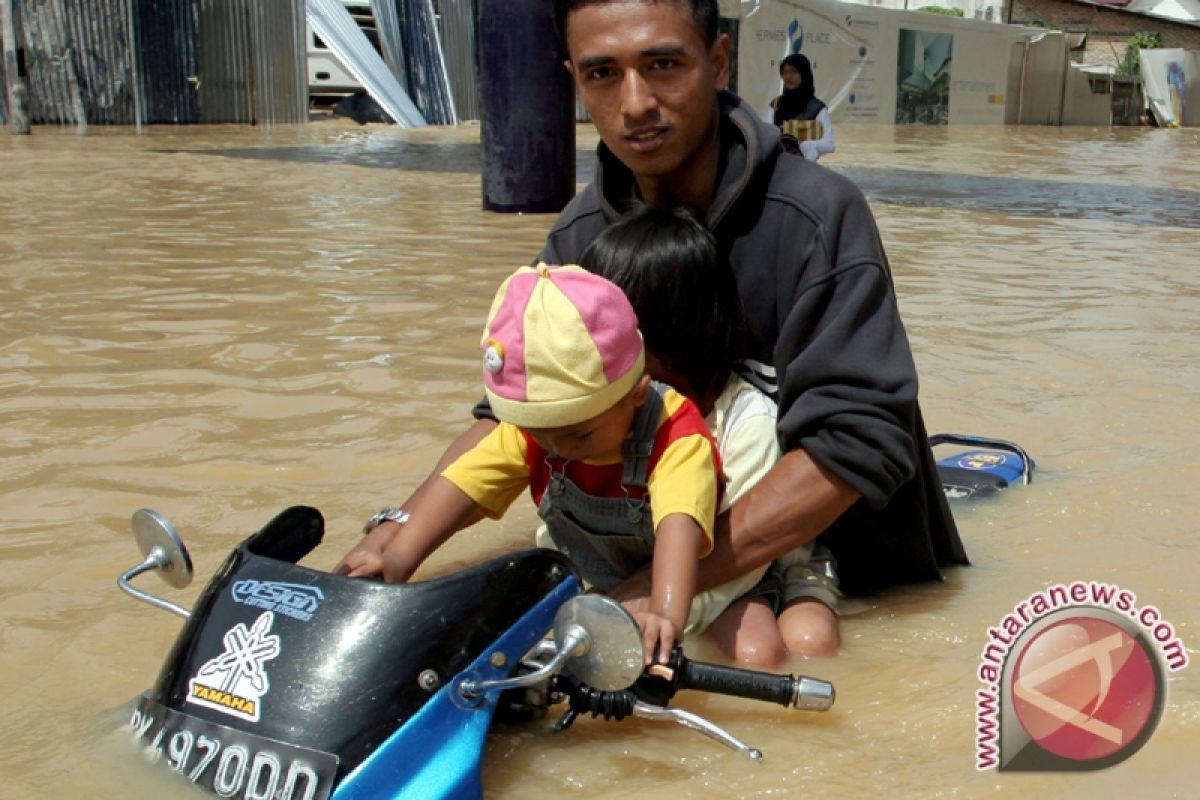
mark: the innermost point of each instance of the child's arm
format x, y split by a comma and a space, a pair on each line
394, 551
441, 511
484, 481
365, 559
676, 558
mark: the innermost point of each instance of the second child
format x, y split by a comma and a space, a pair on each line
690, 313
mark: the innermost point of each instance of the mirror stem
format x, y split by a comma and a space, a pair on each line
156, 559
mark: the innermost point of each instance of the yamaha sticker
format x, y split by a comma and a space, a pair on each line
235, 681
294, 600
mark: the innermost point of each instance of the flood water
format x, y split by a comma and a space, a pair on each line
220, 322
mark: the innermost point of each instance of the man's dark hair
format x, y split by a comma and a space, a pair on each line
705, 14
681, 288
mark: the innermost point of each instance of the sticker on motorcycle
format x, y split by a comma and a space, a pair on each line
294, 600
235, 681
982, 460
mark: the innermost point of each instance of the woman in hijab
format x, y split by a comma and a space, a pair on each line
803, 120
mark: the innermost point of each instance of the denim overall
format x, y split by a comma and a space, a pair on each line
606, 538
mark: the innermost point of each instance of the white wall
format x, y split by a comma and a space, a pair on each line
856, 53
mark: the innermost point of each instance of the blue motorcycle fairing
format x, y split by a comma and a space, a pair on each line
438, 752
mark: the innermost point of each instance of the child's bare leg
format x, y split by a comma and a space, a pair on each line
747, 633
809, 628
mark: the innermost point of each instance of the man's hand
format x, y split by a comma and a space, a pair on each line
659, 636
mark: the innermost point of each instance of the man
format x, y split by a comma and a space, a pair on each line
825, 332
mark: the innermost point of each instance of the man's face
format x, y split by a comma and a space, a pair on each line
648, 80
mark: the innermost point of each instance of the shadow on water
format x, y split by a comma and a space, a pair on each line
1030, 198
1023, 197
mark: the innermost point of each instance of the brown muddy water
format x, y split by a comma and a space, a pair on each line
219, 322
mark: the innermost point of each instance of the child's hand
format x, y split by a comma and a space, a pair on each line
659, 636
360, 564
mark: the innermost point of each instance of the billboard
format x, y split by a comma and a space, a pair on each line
879, 65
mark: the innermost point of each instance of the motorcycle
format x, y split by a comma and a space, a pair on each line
981, 471
290, 683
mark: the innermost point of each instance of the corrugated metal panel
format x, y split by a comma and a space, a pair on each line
280, 76
342, 34
79, 59
386, 19
430, 85
459, 28
3, 74
251, 61
221, 62
165, 32
421, 49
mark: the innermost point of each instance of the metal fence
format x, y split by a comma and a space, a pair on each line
174, 61
251, 65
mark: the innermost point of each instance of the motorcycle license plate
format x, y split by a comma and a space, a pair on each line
232, 763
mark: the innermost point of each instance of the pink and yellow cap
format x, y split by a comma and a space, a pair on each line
561, 346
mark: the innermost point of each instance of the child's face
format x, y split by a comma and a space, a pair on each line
599, 436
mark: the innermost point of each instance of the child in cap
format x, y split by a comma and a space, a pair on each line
664, 258
586, 431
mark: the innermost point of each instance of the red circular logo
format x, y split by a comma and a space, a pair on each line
1084, 688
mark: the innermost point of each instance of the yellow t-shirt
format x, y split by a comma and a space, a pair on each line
684, 475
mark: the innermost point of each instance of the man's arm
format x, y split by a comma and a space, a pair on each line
789, 507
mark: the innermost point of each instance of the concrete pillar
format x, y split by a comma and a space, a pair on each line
527, 108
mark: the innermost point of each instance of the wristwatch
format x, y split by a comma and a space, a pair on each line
386, 514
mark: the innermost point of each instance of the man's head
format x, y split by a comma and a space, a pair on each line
562, 350
683, 290
706, 14
648, 72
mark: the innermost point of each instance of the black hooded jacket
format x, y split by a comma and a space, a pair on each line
825, 330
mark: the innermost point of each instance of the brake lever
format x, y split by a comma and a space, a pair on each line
618, 705
697, 723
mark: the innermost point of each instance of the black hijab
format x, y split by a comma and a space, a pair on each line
795, 103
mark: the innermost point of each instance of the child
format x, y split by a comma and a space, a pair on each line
583, 427
689, 311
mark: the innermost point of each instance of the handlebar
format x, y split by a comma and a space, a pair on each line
659, 685
650, 694
789, 691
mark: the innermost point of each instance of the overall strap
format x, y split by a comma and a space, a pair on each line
637, 448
